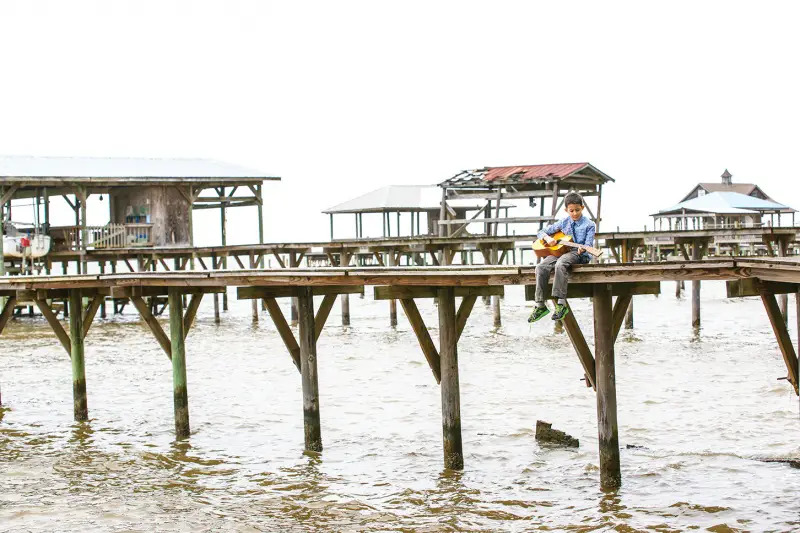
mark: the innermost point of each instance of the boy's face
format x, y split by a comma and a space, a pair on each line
575, 211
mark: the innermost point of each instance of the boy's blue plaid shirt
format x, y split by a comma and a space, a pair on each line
582, 232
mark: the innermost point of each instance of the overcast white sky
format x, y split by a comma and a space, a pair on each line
341, 97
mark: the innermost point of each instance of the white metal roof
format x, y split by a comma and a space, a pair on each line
399, 198
727, 203
121, 167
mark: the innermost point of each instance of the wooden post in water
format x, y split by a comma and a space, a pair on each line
344, 260
392, 303
451, 396
80, 405
496, 299
179, 390
607, 430
103, 303
308, 370
293, 263
696, 256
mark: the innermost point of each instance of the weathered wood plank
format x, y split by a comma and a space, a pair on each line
90, 313
423, 336
741, 288
322, 314
585, 290
284, 330
407, 291
782, 336
464, 310
152, 323
58, 329
8, 310
619, 313
247, 293
582, 349
191, 312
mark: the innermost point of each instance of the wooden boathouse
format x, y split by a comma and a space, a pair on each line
149, 201
536, 184
610, 286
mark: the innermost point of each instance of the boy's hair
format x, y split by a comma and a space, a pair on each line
573, 198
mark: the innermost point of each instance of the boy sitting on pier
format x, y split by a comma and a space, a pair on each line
582, 231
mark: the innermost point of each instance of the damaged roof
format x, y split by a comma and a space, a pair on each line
511, 175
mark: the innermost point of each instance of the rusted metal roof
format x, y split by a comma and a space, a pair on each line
525, 174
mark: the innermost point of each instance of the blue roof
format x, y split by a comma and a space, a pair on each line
727, 203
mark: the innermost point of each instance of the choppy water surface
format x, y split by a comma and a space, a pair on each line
697, 415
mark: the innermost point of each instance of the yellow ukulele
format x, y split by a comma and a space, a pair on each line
563, 245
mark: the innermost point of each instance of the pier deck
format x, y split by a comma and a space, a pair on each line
601, 282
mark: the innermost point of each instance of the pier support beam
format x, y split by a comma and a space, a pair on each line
392, 303
696, 256
308, 369
344, 260
451, 398
608, 433
80, 405
178, 349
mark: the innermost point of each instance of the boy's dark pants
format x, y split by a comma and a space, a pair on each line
562, 265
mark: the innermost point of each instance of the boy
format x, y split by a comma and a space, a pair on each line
582, 231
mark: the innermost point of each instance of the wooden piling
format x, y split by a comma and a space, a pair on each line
608, 433
344, 260
308, 370
696, 256
80, 405
392, 303
451, 397
216, 308
496, 319
627, 257
179, 390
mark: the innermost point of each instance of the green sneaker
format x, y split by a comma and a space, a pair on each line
560, 312
538, 312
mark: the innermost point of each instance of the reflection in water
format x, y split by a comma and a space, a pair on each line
701, 443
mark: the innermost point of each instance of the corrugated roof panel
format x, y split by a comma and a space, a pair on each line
522, 174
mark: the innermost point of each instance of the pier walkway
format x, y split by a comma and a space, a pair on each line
611, 287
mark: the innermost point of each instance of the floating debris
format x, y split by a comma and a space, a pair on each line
546, 433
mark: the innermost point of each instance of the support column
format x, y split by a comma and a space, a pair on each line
344, 260
293, 263
392, 303
80, 406
495, 298
103, 303
696, 288
607, 430
308, 369
783, 299
179, 390
451, 397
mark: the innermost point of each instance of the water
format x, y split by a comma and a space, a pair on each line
697, 415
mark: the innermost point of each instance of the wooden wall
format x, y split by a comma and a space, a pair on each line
169, 211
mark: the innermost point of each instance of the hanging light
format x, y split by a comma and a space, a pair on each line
101, 197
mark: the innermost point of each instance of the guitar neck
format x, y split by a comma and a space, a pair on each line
591, 249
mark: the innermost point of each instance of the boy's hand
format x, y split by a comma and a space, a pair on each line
550, 241
581, 250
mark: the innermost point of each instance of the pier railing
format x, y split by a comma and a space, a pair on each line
70, 238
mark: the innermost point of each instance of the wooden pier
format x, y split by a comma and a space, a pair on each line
610, 286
